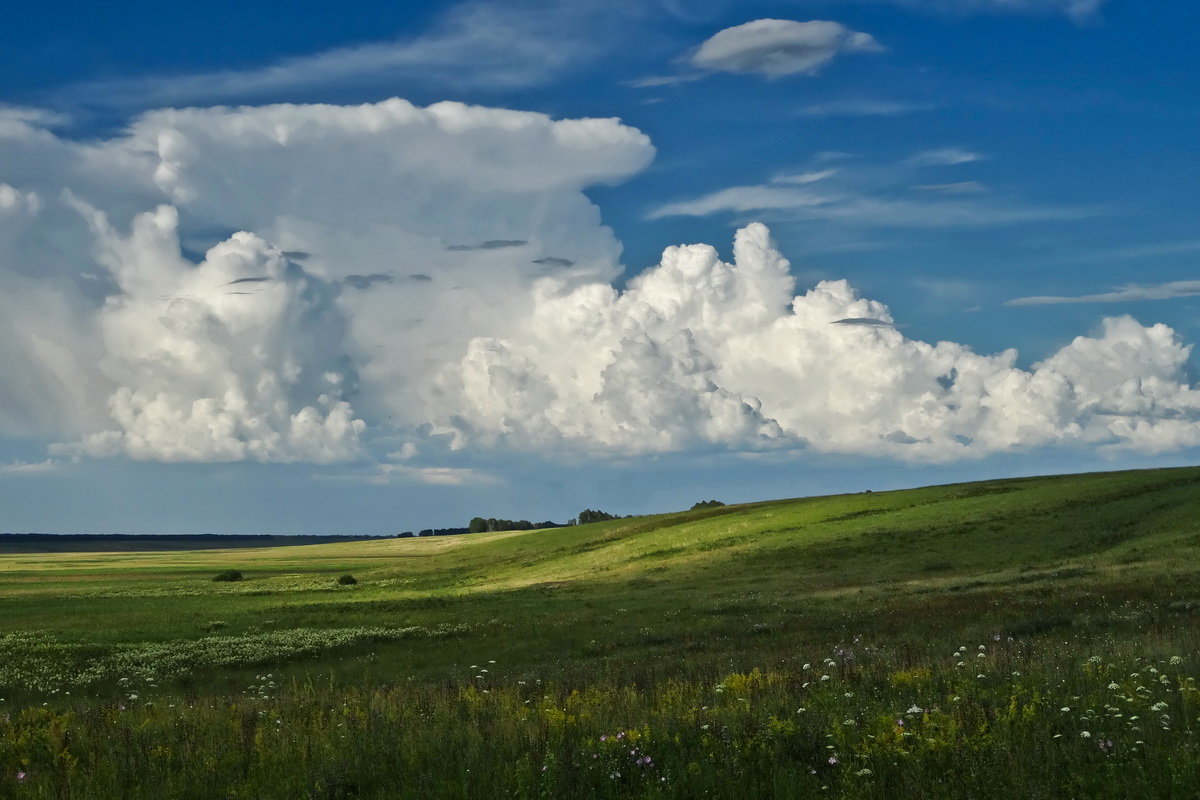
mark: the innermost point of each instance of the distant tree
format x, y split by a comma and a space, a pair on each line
588, 516
707, 504
347, 580
478, 525
405, 535
228, 576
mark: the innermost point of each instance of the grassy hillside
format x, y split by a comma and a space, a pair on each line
514, 648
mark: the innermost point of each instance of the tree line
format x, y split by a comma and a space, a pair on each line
492, 524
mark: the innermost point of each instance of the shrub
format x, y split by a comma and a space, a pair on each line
228, 575
347, 580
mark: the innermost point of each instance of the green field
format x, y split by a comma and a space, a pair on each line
1029, 637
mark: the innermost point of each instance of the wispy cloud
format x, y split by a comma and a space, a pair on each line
1124, 294
866, 108
433, 476
26, 468
869, 199
482, 44
1138, 251
962, 187
802, 178
945, 157
1078, 10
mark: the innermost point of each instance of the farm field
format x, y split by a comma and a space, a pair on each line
1034, 637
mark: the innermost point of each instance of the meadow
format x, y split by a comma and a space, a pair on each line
1033, 637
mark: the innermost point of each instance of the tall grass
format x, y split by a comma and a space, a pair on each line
1046, 718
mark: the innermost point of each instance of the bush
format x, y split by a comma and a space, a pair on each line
347, 580
228, 575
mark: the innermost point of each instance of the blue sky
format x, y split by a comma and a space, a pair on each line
245, 290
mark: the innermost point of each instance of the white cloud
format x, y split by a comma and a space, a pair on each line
961, 187
29, 468
1079, 10
479, 44
866, 108
1125, 294
778, 47
881, 196
388, 474
945, 157
250, 354
324, 283
743, 198
699, 353
802, 178
855, 206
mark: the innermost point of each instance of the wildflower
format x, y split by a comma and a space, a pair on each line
824, 677
1065, 709
1085, 734
900, 723
1114, 686
20, 776
983, 647
862, 772
833, 759
982, 655
1176, 660
915, 710
807, 666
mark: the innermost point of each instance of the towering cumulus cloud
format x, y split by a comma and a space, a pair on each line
698, 352
328, 283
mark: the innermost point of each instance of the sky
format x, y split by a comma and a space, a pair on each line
366, 268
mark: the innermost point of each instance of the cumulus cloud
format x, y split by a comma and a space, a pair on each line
386, 283
115, 336
774, 48
701, 353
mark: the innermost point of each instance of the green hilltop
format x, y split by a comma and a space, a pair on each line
982, 557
